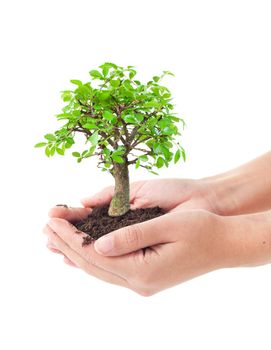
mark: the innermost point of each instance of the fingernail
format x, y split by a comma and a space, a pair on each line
104, 244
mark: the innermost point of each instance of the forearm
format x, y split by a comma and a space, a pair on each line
246, 189
248, 239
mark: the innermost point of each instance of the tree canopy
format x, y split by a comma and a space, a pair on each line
121, 118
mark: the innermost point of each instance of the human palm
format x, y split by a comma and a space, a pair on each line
169, 194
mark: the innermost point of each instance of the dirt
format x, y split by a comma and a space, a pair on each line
99, 223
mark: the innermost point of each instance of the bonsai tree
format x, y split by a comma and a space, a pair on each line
124, 122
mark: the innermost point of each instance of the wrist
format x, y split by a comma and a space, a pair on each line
223, 193
243, 190
247, 240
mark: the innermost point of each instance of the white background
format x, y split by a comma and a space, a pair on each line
220, 53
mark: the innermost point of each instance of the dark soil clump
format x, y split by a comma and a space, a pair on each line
99, 223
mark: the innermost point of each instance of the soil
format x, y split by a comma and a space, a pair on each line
99, 223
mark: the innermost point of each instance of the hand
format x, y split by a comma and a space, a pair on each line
70, 214
169, 194
150, 256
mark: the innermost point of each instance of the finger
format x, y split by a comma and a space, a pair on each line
66, 260
101, 198
47, 230
79, 261
120, 266
132, 238
69, 262
70, 214
53, 250
104, 197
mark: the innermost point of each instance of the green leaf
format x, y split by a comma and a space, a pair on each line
115, 82
133, 118
96, 74
69, 142
88, 153
170, 130
91, 150
164, 122
177, 156
132, 73
60, 151
106, 152
104, 95
66, 96
156, 79
183, 154
83, 93
77, 82
182, 121
108, 115
153, 172
76, 154
94, 138
68, 145
167, 154
175, 119
166, 72
119, 152
127, 85
143, 158
160, 162
50, 137
152, 104
117, 159
105, 70
129, 119
109, 64
137, 165
157, 148
47, 151
139, 117
40, 144
90, 126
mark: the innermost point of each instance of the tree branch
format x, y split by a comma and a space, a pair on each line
133, 133
103, 134
146, 152
86, 132
137, 142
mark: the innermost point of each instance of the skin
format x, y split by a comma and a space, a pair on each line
217, 222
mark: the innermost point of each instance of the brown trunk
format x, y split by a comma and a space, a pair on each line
120, 202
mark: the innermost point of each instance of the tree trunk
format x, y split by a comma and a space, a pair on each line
120, 202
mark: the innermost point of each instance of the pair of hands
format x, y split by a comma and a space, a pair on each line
189, 240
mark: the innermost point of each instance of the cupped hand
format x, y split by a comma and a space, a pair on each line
169, 194
150, 256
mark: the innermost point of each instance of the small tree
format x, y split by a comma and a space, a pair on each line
123, 121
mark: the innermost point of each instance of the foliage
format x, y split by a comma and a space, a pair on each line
122, 120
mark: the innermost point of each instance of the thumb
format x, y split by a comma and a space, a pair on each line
101, 198
135, 237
